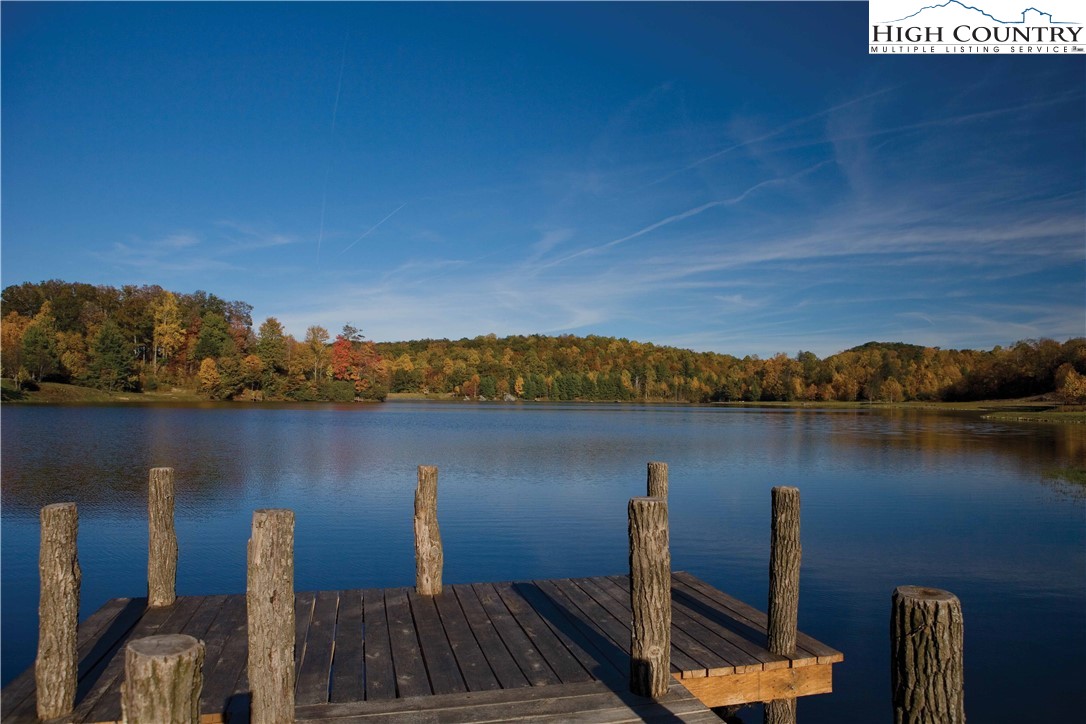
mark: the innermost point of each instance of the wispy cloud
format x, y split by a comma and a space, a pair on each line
172, 254
224, 247
775, 132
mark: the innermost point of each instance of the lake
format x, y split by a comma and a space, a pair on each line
890, 497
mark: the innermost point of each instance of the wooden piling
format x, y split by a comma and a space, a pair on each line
56, 666
163, 678
926, 661
270, 604
429, 555
657, 484
650, 597
162, 539
784, 563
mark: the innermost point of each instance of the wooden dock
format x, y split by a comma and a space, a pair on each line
557, 649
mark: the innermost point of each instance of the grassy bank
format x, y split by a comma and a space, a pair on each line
1022, 410
54, 393
400, 396
1052, 415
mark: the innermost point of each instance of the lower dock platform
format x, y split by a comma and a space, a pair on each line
520, 651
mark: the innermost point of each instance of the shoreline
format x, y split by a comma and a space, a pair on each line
1019, 410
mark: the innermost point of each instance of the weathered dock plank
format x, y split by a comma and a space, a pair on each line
704, 658
611, 634
594, 637
349, 665
380, 677
470, 658
303, 616
566, 629
314, 676
501, 661
231, 639
529, 650
441, 666
411, 677
531, 662
561, 660
740, 611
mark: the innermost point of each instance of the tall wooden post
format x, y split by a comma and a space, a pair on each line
163, 678
162, 539
429, 555
56, 666
650, 597
657, 487
926, 667
270, 604
784, 561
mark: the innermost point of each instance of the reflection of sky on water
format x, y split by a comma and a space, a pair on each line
537, 491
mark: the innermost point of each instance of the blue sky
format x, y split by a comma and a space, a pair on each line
735, 177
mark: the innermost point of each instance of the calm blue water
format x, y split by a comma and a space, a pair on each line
538, 491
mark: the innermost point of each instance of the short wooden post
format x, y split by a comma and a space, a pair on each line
926, 668
650, 597
162, 539
784, 561
429, 555
270, 604
163, 677
56, 666
657, 487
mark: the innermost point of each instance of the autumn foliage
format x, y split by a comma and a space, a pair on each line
144, 337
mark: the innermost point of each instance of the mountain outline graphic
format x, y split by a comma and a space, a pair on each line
1051, 20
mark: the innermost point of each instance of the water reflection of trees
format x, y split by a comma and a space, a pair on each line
99, 457
924, 438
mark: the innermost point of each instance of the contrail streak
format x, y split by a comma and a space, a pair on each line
369, 230
686, 215
339, 84
331, 138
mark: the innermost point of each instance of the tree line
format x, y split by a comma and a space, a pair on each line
143, 337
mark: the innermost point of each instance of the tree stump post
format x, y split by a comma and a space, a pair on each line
657, 484
926, 667
163, 678
162, 539
56, 666
270, 608
650, 597
784, 562
429, 555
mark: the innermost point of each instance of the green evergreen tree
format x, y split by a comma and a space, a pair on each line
271, 346
40, 351
214, 333
39, 346
111, 363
